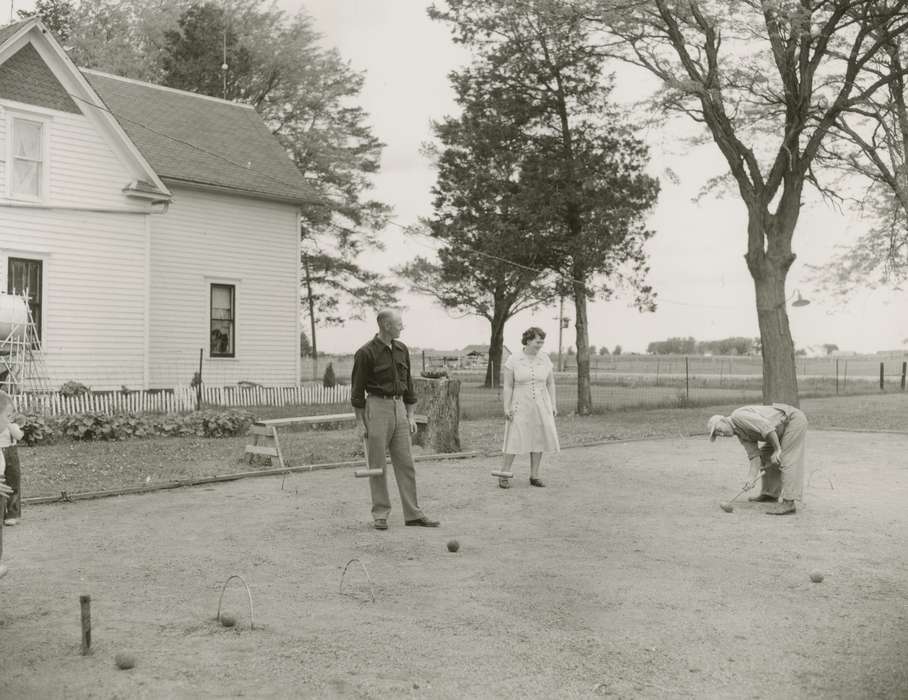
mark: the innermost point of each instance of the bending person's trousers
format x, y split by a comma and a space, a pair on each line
389, 431
787, 480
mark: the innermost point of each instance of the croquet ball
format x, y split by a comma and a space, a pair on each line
228, 620
453, 545
125, 661
816, 577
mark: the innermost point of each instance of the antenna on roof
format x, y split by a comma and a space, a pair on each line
224, 64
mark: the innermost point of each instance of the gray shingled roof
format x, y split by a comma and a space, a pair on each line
10, 29
197, 140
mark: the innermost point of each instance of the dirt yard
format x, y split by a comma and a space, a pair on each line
624, 578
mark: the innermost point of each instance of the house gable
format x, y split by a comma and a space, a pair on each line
87, 160
26, 78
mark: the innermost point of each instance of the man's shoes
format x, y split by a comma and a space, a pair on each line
537, 482
380, 524
423, 522
763, 498
783, 508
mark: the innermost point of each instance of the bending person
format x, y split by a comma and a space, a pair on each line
784, 430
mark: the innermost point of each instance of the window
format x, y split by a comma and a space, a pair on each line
25, 277
27, 172
223, 317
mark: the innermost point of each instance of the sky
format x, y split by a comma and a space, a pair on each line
696, 256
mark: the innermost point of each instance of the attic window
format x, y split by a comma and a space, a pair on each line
27, 173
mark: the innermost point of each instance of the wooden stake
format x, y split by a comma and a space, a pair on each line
85, 602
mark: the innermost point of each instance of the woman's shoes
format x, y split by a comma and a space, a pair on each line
504, 483
536, 482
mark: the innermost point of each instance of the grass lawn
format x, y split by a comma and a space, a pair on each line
94, 466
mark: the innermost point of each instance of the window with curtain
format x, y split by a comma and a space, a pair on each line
26, 277
27, 159
223, 317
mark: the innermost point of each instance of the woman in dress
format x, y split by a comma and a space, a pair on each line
529, 406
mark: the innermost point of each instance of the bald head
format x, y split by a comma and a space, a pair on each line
390, 323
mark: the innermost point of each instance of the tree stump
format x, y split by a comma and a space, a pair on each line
439, 400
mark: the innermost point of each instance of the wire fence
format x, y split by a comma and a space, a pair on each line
679, 382
616, 383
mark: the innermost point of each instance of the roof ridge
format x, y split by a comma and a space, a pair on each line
155, 86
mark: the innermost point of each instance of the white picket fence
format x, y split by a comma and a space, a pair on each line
183, 398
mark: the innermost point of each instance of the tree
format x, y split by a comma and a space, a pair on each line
55, 14
329, 381
603, 350
673, 346
767, 80
204, 54
305, 346
592, 350
123, 37
830, 348
488, 263
617, 350
583, 165
736, 345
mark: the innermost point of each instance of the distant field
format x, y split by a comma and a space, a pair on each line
477, 402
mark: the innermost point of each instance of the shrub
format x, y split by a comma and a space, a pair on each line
72, 388
329, 380
37, 429
40, 430
434, 374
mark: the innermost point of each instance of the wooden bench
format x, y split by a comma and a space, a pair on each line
266, 432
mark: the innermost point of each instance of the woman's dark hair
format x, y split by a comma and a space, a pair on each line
531, 333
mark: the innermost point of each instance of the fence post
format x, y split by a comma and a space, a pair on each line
837, 376
882, 388
687, 376
904, 368
423, 360
198, 388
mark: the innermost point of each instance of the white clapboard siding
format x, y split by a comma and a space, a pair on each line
93, 296
183, 398
217, 238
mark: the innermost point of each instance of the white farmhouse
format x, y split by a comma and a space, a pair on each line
149, 225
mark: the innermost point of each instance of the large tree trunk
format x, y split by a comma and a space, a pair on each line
584, 394
769, 269
780, 381
496, 346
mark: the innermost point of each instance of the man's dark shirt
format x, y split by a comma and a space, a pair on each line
381, 370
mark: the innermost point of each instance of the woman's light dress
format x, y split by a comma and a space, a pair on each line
532, 426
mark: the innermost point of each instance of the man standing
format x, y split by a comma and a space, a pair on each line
384, 402
784, 430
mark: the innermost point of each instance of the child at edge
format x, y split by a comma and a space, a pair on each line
10, 431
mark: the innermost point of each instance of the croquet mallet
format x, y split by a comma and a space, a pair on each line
368, 471
728, 507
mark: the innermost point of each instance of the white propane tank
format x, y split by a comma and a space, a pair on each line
13, 316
